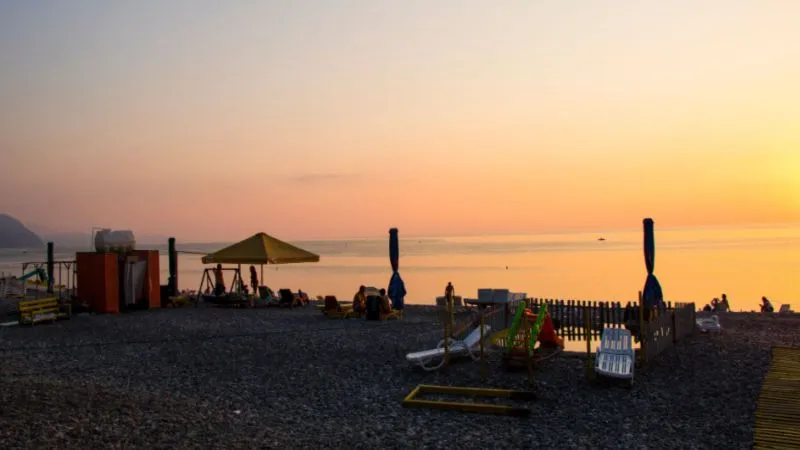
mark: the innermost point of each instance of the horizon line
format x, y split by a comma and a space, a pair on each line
537, 233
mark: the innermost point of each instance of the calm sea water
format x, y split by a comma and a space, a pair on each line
692, 265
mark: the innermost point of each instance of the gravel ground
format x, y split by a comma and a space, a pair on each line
277, 378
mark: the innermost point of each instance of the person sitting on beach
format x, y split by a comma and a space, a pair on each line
219, 281
723, 305
360, 300
714, 304
302, 297
766, 305
331, 304
386, 304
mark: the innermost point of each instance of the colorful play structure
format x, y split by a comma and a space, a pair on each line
614, 358
517, 343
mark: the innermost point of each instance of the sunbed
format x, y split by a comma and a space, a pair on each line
616, 357
434, 359
287, 298
335, 310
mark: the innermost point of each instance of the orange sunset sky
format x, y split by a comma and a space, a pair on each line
212, 120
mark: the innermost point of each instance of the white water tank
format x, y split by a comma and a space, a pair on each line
107, 240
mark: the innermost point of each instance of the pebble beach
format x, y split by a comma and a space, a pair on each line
279, 378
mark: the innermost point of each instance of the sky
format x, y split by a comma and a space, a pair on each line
212, 120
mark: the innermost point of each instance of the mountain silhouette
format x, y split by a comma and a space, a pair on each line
13, 234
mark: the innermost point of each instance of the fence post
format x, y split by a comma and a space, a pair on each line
447, 331
642, 331
602, 312
483, 360
674, 326
587, 329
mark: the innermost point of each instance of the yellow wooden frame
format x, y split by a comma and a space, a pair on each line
30, 309
411, 400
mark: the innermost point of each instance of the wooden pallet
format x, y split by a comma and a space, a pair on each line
778, 413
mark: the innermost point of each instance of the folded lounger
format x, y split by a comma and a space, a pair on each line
709, 325
434, 359
333, 309
616, 356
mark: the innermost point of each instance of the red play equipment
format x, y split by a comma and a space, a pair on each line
547, 335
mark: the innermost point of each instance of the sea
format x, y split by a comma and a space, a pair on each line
692, 265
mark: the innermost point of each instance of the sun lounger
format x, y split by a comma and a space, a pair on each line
434, 359
287, 298
709, 324
395, 314
615, 357
266, 297
335, 310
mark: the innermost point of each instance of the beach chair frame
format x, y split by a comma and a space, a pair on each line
412, 400
430, 360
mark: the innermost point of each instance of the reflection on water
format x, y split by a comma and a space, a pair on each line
575, 340
692, 265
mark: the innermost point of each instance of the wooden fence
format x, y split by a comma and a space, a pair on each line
657, 329
664, 328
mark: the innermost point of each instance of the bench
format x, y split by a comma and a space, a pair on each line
42, 310
176, 301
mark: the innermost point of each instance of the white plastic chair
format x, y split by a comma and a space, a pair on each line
616, 357
709, 325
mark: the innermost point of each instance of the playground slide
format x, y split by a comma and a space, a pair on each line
515, 324
40, 272
541, 329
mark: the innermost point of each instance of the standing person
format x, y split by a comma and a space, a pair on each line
219, 281
254, 279
397, 292
449, 294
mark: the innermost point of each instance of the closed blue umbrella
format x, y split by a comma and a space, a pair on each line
397, 288
652, 294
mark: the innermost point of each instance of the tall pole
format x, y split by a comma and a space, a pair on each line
173, 268
483, 360
50, 267
446, 335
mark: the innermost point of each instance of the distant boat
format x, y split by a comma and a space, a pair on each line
601, 239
